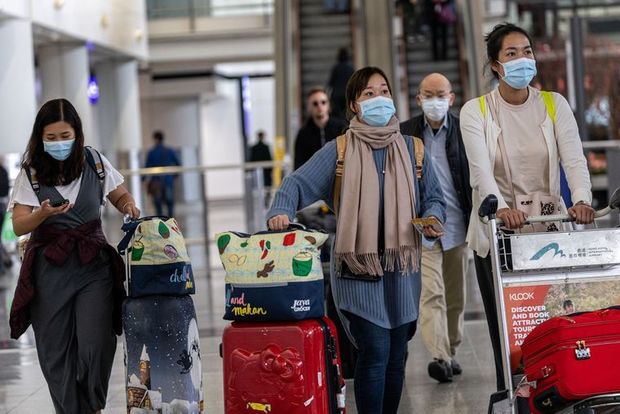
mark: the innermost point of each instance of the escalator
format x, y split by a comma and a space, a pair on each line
322, 32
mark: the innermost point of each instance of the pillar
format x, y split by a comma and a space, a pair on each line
17, 99
65, 73
119, 120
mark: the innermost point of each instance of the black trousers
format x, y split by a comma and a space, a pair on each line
484, 274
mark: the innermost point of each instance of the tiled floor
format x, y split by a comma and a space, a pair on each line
23, 390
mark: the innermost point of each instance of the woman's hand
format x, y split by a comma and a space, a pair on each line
582, 213
279, 222
512, 218
47, 210
131, 210
26, 218
430, 232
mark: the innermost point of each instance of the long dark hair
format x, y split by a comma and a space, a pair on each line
495, 39
357, 83
51, 172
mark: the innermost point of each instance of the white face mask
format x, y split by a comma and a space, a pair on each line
435, 109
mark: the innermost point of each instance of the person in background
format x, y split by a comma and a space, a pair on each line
70, 285
260, 152
515, 150
444, 261
337, 84
376, 254
161, 187
5, 257
441, 14
319, 129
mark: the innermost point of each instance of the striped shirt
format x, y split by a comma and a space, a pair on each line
393, 300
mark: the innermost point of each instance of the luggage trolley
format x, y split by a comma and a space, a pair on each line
552, 258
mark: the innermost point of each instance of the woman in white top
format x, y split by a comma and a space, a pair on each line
515, 143
70, 286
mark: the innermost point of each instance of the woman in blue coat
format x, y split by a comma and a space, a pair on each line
376, 257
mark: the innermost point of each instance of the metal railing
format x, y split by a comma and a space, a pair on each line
254, 192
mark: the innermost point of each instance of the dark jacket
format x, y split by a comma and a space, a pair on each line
457, 158
260, 152
311, 138
88, 239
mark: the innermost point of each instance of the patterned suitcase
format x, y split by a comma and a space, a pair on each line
573, 357
162, 355
291, 368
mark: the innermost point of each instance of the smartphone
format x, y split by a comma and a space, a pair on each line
59, 203
420, 222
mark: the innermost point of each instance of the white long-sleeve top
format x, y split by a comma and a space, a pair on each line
528, 124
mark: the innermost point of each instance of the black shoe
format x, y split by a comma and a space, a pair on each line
456, 367
440, 370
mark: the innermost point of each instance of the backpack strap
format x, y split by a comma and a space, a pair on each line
94, 160
31, 173
547, 98
483, 105
92, 157
418, 148
341, 147
549, 104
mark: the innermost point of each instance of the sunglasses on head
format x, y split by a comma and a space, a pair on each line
321, 102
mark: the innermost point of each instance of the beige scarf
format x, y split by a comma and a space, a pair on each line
358, 220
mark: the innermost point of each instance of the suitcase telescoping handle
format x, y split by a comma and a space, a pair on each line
614, 203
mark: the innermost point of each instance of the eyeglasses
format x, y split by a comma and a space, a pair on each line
321, 102
430, 96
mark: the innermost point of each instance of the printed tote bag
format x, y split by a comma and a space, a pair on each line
273, 276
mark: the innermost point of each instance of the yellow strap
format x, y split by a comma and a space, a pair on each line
549, 104
547, 99
418, 149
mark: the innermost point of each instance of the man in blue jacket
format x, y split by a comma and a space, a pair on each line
444, 261
161, 187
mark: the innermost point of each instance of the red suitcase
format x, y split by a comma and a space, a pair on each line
291, 368
573, 357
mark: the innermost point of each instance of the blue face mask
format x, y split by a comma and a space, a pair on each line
377, 111
59, 150
519, 73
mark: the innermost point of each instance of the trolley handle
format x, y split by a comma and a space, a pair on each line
488, 209
564, 218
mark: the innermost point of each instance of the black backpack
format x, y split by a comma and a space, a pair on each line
4, 182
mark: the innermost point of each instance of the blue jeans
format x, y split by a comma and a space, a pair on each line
380, 368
